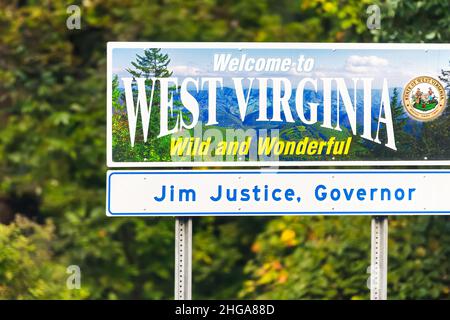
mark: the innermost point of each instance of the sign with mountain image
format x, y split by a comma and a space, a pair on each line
277, 104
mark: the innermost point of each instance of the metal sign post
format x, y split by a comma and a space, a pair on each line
183, 258
379, 249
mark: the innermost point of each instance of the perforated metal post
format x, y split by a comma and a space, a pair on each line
379, 250
183, 258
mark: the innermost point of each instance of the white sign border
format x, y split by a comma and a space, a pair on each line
248, 45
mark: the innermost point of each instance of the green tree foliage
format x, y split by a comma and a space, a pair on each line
27, 268
310, 258
52, 161
414, 21
323, 257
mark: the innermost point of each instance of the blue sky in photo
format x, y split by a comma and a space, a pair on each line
397, 65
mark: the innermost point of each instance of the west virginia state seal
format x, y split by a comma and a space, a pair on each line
424, 98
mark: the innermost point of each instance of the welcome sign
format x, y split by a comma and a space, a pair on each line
288, 104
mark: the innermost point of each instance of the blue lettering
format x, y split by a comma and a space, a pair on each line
289, 194
320, 195
361, 194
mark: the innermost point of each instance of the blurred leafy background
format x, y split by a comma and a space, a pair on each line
52, 162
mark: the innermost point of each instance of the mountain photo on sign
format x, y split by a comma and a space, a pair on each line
164, 99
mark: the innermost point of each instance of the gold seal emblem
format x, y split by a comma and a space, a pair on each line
424, 98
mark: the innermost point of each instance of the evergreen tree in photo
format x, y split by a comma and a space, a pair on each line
445, 77
404, 140
152, 64
120, 135
116, 94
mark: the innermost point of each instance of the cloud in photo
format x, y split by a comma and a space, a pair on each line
365, 64
187, 71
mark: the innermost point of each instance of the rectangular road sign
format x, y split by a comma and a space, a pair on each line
277, 104
277, 192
